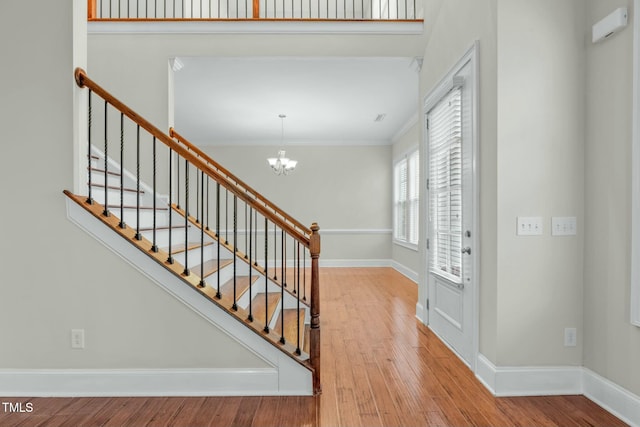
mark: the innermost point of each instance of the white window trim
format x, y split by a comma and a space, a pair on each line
400, 242
635, 173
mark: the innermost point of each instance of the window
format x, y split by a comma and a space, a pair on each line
444, 128
406, 180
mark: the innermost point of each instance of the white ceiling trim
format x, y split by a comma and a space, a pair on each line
291, 143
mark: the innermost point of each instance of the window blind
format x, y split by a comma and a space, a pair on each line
445, 184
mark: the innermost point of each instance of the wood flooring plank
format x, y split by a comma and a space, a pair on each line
246, 411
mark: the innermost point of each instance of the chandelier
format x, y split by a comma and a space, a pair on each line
281, 164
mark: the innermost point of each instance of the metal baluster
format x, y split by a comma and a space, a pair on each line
246, 233
282, 339
296, 268
186, 215
154, 246
178, 180
250, 318
226, 217
208, 179
170, 258
106, 164
202, 283
122, 224
275, 251
304, 275
89, 198
283, 273
298, 352
255, 262
218, 294
197, 200
235, 251
138, 235
266, 276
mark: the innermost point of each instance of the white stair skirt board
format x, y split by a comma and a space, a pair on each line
292, 378
560, 380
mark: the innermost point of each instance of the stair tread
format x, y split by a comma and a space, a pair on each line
179, 248
161, 227
135, 207
115, 187
258, 306
102, 171
291, 325
242, 285
211, 266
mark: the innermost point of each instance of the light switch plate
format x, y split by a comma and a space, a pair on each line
563, 226
529, 226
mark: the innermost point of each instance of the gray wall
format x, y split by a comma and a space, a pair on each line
53, 276
611, 343
541, 86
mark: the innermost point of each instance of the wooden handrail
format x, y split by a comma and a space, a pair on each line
82, 80
238, 181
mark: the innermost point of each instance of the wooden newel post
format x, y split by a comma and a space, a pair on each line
91, 9
314, 249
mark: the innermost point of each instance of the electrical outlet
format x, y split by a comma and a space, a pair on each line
570, 337
77, 338
529, 226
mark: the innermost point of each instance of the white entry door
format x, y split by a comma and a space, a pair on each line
452, 239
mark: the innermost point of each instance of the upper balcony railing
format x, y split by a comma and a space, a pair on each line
229, 10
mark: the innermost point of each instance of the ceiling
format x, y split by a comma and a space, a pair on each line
327, 100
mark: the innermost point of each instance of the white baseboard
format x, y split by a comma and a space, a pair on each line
529, 381
568, 380
405, 271
615, 399
139, 382
355, 262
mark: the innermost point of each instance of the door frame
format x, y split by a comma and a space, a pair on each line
435, 94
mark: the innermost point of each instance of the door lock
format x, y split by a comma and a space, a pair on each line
466, 250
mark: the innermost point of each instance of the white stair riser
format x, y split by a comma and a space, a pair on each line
177, 236
146, 217
97, 177
130, 198
194, 256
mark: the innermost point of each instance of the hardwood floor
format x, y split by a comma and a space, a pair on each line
380, 368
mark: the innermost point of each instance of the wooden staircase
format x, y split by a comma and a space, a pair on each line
251, 260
